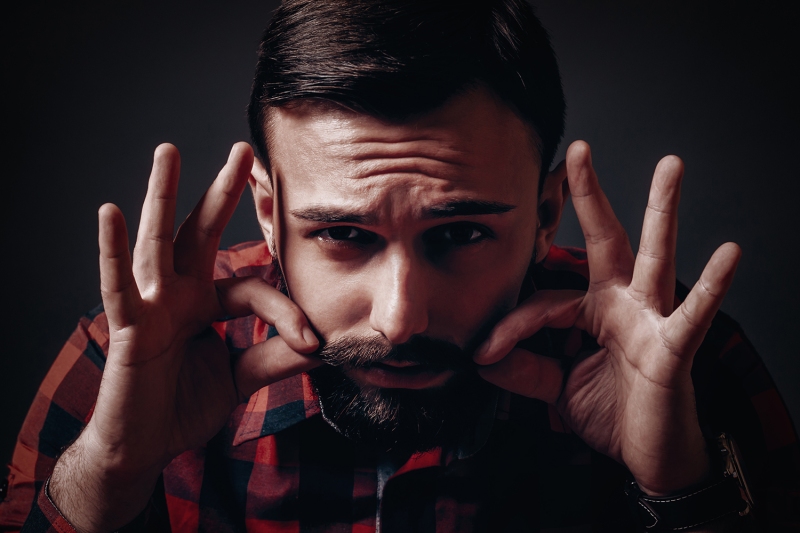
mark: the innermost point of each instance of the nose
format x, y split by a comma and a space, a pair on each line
399, 296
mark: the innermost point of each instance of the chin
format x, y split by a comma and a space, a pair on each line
400, 420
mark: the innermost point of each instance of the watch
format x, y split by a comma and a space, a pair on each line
726, 493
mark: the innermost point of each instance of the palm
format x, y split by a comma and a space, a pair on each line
196, 361
205, 394
633, 399
604, 393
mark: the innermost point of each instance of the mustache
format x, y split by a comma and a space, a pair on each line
364, 352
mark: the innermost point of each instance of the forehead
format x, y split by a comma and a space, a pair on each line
474, 146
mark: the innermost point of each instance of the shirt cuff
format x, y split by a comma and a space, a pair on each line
45, 516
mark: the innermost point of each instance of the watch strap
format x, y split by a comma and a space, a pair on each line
688, 509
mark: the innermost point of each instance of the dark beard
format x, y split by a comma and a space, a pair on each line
400, 421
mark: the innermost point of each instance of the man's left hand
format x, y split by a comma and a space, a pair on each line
632, 400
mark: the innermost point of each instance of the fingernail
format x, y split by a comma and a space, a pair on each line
309, 337
230, 155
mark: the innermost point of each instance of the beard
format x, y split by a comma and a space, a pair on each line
399, 421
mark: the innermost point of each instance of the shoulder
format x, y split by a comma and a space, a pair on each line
250, 258
564, 267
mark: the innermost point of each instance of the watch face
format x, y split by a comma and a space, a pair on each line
731, 457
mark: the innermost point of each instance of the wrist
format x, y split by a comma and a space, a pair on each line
680, 462
93, 494
684, 473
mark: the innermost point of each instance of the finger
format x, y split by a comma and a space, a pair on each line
686, 327
526, 373
152, 256
557, 309
252, 295
267, 362
654, 272
198, 237
607, 245
117, 286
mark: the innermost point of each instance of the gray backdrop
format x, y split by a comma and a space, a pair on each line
91, 90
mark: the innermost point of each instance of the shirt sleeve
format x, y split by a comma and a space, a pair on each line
62, 406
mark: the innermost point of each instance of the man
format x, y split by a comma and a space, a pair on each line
409, 210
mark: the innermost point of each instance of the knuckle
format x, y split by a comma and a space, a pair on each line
230, 191
163, 194
115, 255
605, 235
292, 318
657, 207
691, 318
515, 329
709, 288
649, 253
159, 238
210, 231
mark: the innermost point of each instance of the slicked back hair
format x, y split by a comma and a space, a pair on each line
396, 59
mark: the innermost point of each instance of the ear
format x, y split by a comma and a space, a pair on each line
261, 186
552, 200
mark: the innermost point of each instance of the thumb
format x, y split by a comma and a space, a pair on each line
545, 308
267, 362
527, 374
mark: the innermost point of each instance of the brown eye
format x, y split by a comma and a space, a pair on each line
453, 235
341, 233
462, 234
345, 235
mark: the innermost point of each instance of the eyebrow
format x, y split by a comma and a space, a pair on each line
460, 208
333, 215
457, 208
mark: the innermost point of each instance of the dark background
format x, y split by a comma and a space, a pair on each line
90, 91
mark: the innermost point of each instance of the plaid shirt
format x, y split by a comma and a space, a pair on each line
277, 466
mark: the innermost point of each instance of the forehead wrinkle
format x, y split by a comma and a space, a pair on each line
435, 149
369, 156
408, 167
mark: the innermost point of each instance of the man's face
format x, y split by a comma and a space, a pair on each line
412, 236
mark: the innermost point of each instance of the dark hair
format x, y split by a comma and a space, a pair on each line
394, 59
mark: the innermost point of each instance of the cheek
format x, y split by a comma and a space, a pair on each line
465, 305
332, 298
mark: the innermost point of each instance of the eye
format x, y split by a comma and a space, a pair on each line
462, 234
346, 234
458, 234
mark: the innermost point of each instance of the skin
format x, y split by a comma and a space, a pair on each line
170, 385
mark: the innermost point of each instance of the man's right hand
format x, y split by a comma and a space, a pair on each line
169, 383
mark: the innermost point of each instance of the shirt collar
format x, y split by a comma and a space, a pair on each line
288, 402
277, 407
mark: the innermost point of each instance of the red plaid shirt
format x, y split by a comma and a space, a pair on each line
277, 466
